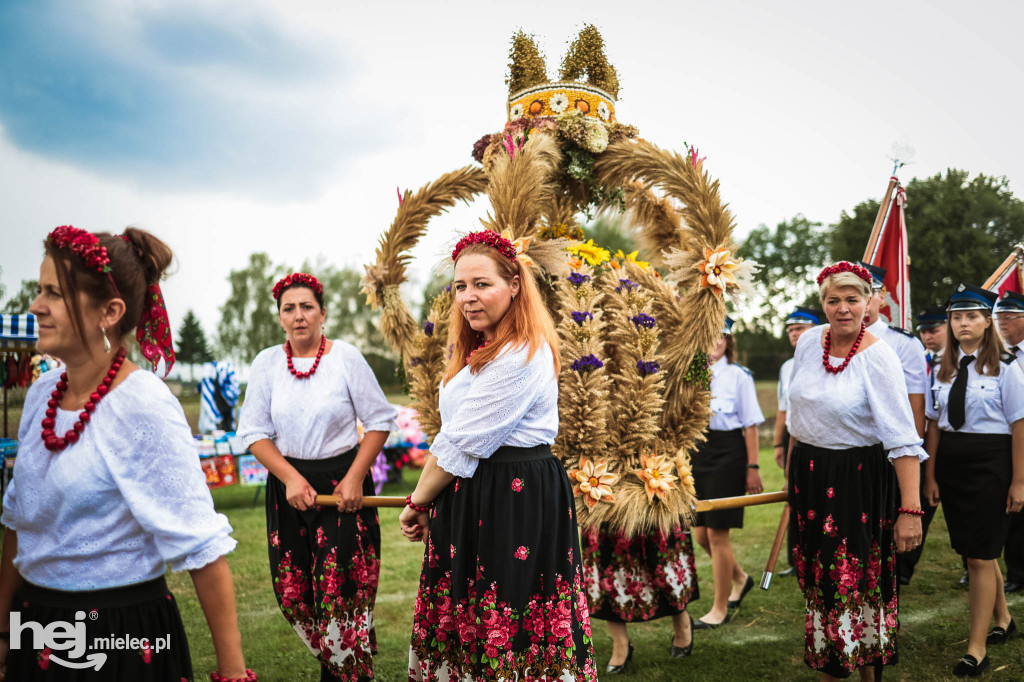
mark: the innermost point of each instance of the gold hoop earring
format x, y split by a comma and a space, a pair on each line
106, 341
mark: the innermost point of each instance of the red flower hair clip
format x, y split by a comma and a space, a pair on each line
86, 246
844, 266
298, 278
489, 238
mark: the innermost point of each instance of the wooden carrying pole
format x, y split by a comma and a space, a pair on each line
883, 209
773, 557
701, 506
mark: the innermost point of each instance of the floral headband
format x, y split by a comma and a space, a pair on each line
298, 278
86, 246
845, 266
488, 238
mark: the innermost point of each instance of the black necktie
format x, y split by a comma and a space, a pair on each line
958, 394
1014, 349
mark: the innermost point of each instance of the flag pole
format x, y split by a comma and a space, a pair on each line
883, 211
1015, 255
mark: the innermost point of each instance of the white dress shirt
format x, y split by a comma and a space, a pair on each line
911, 352
785, 374
313, 418
119, 505
863, 405
991, 405
511, 401
733, 398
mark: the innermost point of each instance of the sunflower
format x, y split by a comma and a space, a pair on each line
632, 258
590, 252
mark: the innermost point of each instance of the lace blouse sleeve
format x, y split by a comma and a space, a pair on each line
886, 392
369, 402
499, 397
255, 423
156, 469
31, 409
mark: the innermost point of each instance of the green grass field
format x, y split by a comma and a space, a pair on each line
764, 641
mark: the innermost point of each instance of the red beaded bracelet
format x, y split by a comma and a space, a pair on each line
250, 676
417, 507
911, 512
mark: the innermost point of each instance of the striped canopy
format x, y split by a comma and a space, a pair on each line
18, 331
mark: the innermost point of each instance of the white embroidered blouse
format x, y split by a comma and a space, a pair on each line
313, 418
511, 401
119, 505
863, 405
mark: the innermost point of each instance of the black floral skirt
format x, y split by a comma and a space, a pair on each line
501, 591
843, 508
636, 579
325, 566
973, 471
123, 633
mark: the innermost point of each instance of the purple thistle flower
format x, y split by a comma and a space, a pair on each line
577, 279
416, 361
626, 284
428, 328
586, 364
581, 317
647, 367
643, 320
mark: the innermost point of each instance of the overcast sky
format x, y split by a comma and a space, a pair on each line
227, 128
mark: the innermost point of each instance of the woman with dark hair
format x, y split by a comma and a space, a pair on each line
501, 593
107, 487
299, 420
977, 460
853, 437
725, 465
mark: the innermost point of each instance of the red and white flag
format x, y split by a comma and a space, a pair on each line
1010, 275
890, 252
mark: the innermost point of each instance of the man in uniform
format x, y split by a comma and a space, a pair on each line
799, 321
915, 371
1009, 313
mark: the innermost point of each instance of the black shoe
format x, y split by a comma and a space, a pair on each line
788, 572
1002, 635
1011, 586
621, 669
684, 651
965, 580
701, 625
968, 666
904, 580
747, 587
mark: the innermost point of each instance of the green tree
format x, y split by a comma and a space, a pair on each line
192, 346
608, 232
248, 321
20, 302
958, 229
790, 256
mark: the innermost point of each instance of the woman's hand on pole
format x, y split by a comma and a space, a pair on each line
300, 493
350, 494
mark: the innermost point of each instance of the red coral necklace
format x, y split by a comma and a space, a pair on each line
51, 440
316, 363
849, 356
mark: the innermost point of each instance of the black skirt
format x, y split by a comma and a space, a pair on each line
325, 567
843, 506
720, 470
128, 633
637, 579
973, 471
501, 590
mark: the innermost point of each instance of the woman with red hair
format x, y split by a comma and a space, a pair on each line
501, 593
